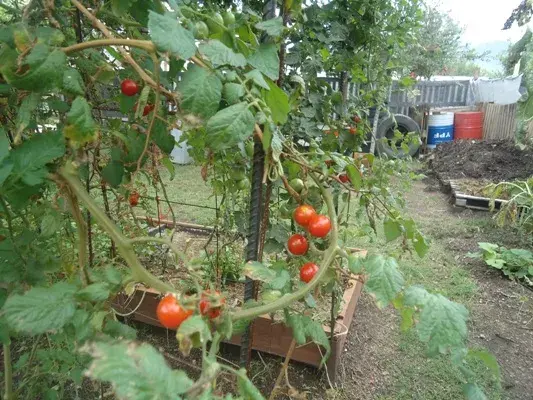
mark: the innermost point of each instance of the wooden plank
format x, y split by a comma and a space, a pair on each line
499, 121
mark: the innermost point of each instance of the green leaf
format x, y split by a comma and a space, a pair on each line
219, 54
273, 27
169, 165
80, 127
257, 271
278, 102
193, 332
230, 126
162, 137
296, 323
120, 7
280, 281
58, 105
201, 91
416, 296
96, 292
113, 173
31, 157
257, 77
119, 330
73, 82
384, 279
266, 60
135, 371
45, 70
473, 392
355, 176
355, 264
488, 359
50, 224
40, 310
232, 92
247, 388
4, 144
420, 244
392, 229
168, 35
442, 324
315, 332
27, 107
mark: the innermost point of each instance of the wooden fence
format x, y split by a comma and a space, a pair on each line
499, 121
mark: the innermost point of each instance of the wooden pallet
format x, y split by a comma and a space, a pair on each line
473, 202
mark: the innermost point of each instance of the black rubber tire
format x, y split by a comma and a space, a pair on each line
386, 128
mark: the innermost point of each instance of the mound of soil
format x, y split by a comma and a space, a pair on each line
494, 161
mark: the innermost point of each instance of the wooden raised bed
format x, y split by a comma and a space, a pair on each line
268, 336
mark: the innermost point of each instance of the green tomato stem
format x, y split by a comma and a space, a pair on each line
124, 245
141, 44
8, 373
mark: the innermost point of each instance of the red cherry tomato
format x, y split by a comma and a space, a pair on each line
303, 214
308, 271
129, 87
134, 199
170, 313
356, 119
205, 305
297, 245
344, 178
353, 130
147, 109
319, 226
336, 133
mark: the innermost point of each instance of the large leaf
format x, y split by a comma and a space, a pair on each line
266, 60
136, 371
257, 271
162, 137
44, 72
80, 127
230, 126
201, 91
303, 328
257, 77
473, 392
73, 82
30, 159
384, 279
193, 332
278, 102
27, 107
272, 27
220, 54
232, 92
98, 291
168, 35
113, 173
442, 324
40, 309
392, 229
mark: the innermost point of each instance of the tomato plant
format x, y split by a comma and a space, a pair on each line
246, 92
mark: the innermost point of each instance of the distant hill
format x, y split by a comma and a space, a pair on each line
495, 49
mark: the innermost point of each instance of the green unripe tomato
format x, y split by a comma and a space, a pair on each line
186, 12
249, 146
201, 31
285, 212
229, 18
243, 184
237, 174
297, 184
268, 296
217, 27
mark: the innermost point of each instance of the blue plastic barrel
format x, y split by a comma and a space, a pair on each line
440, 129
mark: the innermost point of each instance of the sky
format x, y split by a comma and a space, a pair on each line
483, 19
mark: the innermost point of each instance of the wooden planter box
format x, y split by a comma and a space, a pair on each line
268, 336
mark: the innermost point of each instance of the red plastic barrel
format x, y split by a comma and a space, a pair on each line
468, 125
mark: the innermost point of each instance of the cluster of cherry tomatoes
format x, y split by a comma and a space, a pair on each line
134, 198
171, 313
130, 88
318, 226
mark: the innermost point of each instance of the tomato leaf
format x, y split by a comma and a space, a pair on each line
232, 92
266, 60
98, 291
169, 165
355, 176
45, 70
420, 244
273, 27
27, 107
257, 271
384, 279
192, 333
304, 327
72, 82
488, 359
230, 126
40, 309
80, 127
278, 102
257, 77
168, 35
119, 330
473, 392
162, 137
355, 264
201, 91
135, 371
247, 388
113, 173
392, 229
219, 54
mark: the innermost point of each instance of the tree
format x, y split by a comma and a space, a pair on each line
521, 14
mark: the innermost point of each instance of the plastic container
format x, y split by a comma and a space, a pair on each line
440, 129
180, 154
469, 125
